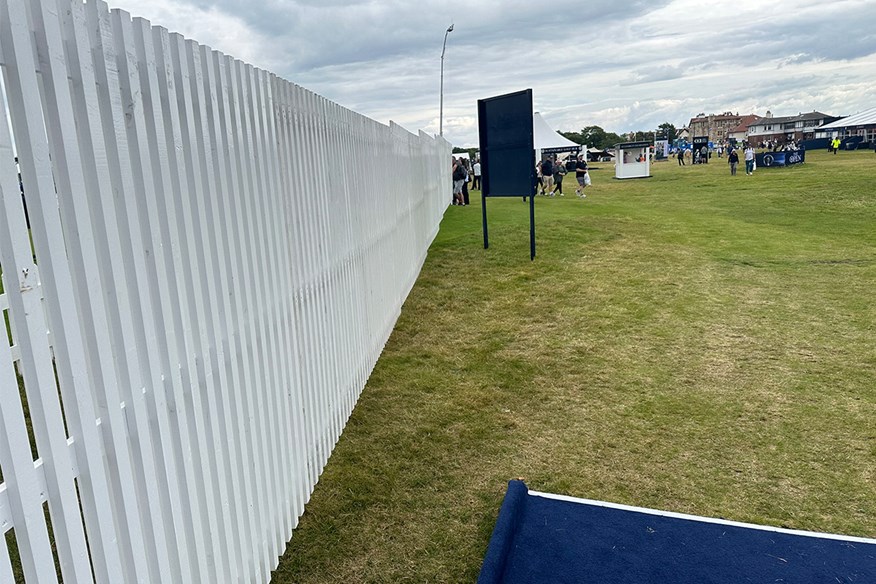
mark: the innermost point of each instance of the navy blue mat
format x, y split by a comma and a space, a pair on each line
549, 538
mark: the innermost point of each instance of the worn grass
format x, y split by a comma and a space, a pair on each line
692, 342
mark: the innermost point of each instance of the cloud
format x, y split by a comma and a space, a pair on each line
618, 64
657, 73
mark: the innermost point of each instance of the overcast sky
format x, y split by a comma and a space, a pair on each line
623, 65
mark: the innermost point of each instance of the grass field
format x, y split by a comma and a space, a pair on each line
693, 342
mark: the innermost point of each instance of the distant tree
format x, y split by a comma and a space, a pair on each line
573, 136
670, 130
596, 137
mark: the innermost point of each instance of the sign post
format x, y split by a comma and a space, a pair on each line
507, 153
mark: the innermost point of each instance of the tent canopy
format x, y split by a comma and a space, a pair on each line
547, 140
864, 118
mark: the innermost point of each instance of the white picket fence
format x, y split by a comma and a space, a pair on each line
217, 259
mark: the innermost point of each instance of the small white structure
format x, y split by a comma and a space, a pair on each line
631, 160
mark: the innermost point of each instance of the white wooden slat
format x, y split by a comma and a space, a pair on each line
313, 354
301, 260
155, 183
271, 140
201, 360
279, 287
287, 436
270, 192
251, 118
123, 231
71, 359
241, 272
265, 195
330, 267
255, 201
265, 149
21, 490
189, 84
201, 60
253, 284
61, 132
222, 444
5, 510
319, 235
168, 134
104, 292
6, 574
26, 310
136, 68
21, 486
243, 348
293, 396
295, 249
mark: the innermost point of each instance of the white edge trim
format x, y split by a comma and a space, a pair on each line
673, 515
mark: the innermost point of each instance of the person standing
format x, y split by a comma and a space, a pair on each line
733, 160
458, 175
559, 173
465, 182
581, 176
547, 176
749, 160
681, 157
476, 169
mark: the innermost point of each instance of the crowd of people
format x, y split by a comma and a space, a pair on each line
749, 153
465, 172
549, 172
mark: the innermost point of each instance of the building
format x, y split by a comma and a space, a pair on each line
740, 132
862, 124
682, 135
787, 129
716, 127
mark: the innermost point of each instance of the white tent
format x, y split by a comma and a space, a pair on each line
861, 124
864, 118
549, 141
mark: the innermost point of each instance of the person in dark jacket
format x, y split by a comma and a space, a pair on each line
733, 160
547, 176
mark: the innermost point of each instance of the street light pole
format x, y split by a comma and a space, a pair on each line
441, 113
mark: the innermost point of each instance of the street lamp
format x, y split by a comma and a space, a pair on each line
441, 113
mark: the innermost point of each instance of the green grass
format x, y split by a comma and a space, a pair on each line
693, 342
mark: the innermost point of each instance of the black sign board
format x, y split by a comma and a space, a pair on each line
701, 150
507, 153
632, 145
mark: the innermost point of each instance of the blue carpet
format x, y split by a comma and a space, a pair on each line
540, 538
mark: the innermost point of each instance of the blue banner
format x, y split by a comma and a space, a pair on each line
771, 159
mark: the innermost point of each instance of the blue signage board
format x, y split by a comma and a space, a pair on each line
772, 159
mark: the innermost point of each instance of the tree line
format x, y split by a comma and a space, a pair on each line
596, 137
